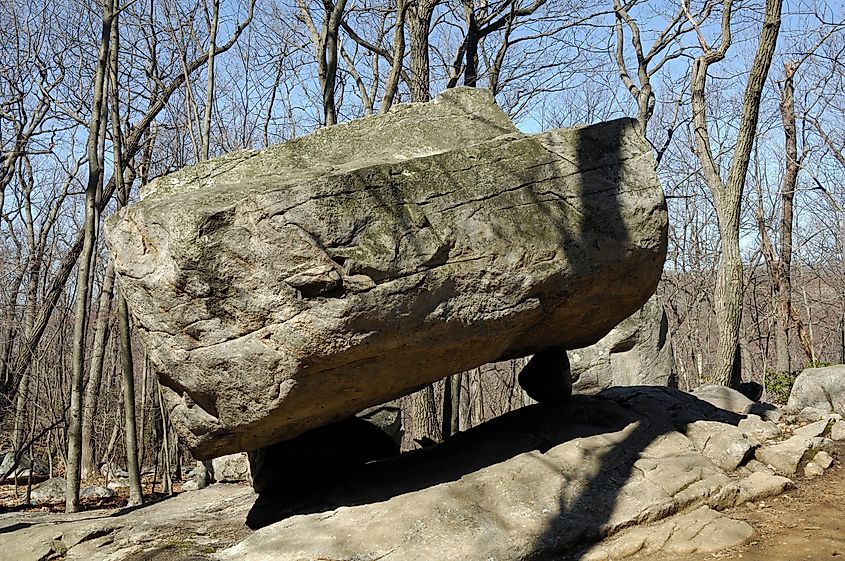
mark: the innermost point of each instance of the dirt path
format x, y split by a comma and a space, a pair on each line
806, 523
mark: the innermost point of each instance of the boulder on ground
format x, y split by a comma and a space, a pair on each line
231, 468
788, 456
724, 397
279, 290
819, 391
51, 491
25, 468
637, 352
95, 492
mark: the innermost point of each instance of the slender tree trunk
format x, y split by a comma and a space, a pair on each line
95, 371
727, 195
209, 92
83, 284
127, 367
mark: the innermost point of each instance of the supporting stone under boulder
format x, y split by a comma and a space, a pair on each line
279, 290
637, 352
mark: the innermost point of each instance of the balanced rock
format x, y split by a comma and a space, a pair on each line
637, 352
278, 290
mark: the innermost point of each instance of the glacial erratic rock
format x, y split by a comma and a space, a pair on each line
279, 290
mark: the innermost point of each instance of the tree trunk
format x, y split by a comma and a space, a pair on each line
209, 92
727, 195
83, 278
419, 28
95, 371
127, 367
424, 415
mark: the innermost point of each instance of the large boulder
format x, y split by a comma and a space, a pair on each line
819, 389
279, 290
637, 352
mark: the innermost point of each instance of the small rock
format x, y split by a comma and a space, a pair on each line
758, 428
811, 414
837, 432
787, 456
818, 428
119, 483
191, 485
812, 469
96, 492
231, 468
823, 459
759, 467
725, 445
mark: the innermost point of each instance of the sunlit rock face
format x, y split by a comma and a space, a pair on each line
281, 289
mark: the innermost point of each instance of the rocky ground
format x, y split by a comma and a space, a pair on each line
806, 522
642, 471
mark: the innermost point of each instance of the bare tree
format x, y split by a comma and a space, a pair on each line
727, 194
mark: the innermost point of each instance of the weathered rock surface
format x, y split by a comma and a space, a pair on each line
818, 428
820, 391
279, 290
758, 428
50, 491
788, 456
703, 530
724, 397
536, 483
637, 352
541, 482
725, 445
25, 468
231, 468
837, 431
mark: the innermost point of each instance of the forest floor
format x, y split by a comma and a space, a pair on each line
807, 522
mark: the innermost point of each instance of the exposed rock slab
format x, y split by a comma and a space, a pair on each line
725, 445
276, 291
535, 483
637, 352
703, 530
724, 398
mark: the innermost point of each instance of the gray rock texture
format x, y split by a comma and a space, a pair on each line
231, 468
820, 390
703, 530
538, 483
724, 397
791, 454
51, 491
725, 445
637, 352
279, 290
